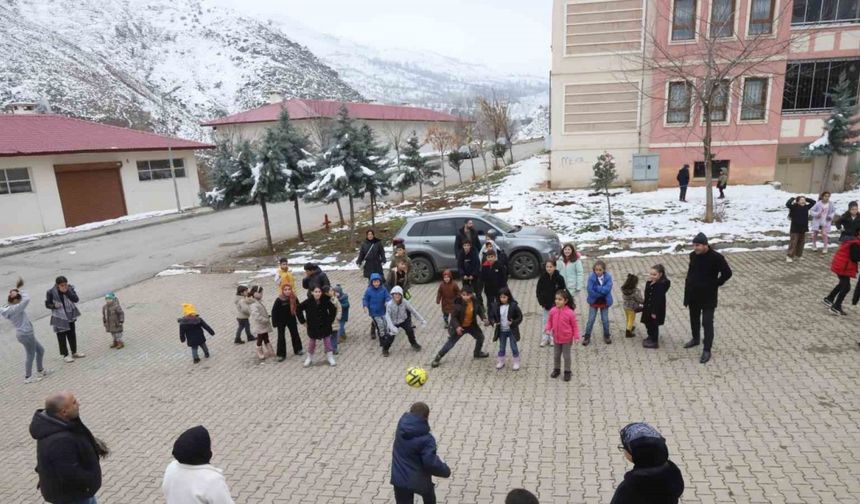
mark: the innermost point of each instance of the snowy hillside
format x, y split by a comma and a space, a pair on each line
114, 61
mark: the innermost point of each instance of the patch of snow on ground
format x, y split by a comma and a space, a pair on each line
178, 271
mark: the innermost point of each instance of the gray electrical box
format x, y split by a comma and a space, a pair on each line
646, 167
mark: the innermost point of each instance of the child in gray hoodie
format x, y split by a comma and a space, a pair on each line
398, 315
16, 312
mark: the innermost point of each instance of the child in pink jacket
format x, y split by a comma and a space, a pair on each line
562, 325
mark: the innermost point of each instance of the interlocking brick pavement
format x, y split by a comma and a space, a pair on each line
773, 418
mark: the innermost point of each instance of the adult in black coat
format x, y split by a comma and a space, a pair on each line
314, 277
683, 179
654, 478
654, 307
798, 213
707, 272
67, 453
849, 222
466, 234
413, 458
371, 254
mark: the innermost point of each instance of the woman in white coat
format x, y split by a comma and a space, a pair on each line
190, 479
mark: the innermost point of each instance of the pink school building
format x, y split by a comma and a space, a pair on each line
604, 98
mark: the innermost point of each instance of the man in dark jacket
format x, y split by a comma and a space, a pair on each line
798, 213
654, 478
414, 460
67, 454
683, 179
707, 272
314, 277
466, 234
465, 320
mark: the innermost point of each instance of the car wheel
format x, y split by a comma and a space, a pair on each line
524, 265
422, 270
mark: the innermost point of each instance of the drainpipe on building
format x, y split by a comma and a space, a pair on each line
642, 76
173, 176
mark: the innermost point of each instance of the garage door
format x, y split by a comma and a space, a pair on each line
795, 174
90, 192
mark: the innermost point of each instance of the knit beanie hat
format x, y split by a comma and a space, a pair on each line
193, 447
188, 309
111, 296
337, 288
397, 290
700, 239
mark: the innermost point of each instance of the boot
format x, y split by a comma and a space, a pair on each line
113, 345
251, 338
238, 341
436, 360
567, 376
607, 339
480, 355
261, 354
555, 373
516, 365
330, 357
500, 362
649, 343
706, 356
270, 352
586, 340
309, 358
119, 345
628, 333
692, 343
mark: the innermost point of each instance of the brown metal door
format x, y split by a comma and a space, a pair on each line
90, 192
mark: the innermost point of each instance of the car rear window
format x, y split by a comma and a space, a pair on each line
440, 227
417, 229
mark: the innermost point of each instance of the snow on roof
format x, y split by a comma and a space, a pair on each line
31, 135
312, 109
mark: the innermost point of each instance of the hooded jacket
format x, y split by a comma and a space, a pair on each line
561, 323
683, 177
191, 329
631, 298
190, 479
113, 317
654, 478
17, 314
705, 275
372, 254
414, 459
66, 459
848, 224
596, 290
243, 311
318, 315
398, 313
317, 279
515, 317
459, 313
447, 293
655, 301
375, 297
547, 286
259, 319
845, 259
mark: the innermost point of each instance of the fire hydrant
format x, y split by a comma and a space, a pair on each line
327, 223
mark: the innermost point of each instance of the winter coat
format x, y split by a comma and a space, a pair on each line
66, 312
547, 286
283, 278
372, 254
494, 278
17, 314
722, 181
845, 259
446, 294
655, 301
319, 316
396, 277
848, 225
259, 319
284, 310
562, 325
654, 478
243, 311
375, 297
414, 459
460, 311
572, 274
501, 257
632, 299
396, 314
469, 265
799, 215
515, 318
683, 177
404, 258
191, 330
705, 275
67, 459
195, 484
317, 279
822, 215
463, 237
343, 300
113, 317
599, 294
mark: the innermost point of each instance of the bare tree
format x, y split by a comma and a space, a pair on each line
495, 112
440, 139
705, 73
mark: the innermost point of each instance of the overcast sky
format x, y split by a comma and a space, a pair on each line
513, 34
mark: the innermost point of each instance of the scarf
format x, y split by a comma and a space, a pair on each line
62, 317
293, 302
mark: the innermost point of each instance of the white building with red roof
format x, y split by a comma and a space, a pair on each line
58, 172
314, 116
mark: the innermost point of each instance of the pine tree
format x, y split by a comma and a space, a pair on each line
604, 177
840, 136
422, 170
375, 180
284, 153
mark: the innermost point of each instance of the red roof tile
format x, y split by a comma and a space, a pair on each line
30, 135
310, 109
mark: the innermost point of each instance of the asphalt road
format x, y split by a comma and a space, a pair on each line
108, 262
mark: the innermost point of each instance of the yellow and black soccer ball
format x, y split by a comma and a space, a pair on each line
416, 377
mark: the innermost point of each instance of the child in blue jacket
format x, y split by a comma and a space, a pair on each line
599, 300
375, 298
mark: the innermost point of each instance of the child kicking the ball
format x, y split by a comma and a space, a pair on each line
465, 320
398, 315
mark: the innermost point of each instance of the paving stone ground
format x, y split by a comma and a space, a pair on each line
773, 418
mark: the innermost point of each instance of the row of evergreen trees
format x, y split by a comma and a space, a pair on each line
283, 168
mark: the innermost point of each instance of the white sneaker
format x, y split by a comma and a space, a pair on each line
788, 259
543, 343
69, 358
43, 373
308, 359
79, 355
824, 250
330, 357
32, 379
814, 246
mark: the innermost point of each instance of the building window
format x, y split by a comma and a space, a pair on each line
722, 18
808, 84
720, 102
159, 169
825, 11
716, 166
761, 17
15, 180
684, 20
678, 110
754, 100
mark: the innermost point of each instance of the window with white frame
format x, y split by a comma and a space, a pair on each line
15, 180
158, 169
754, 99
720, 102
761, 17
825, 11
679, 103
722, 18
684, 20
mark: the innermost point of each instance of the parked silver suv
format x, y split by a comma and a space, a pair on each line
429, 241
